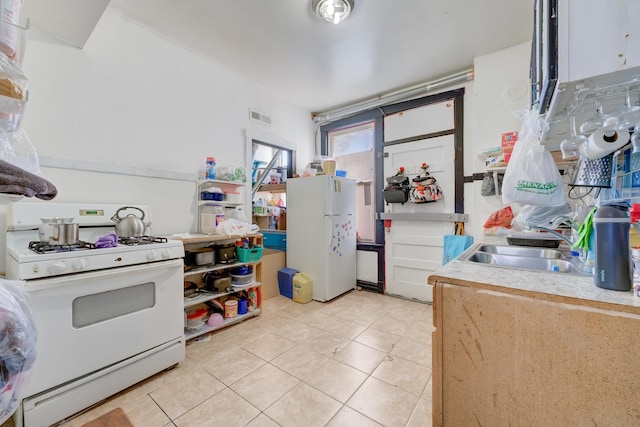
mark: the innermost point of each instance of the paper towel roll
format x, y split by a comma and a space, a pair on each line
603, 142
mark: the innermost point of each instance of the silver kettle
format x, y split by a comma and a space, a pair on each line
130, 225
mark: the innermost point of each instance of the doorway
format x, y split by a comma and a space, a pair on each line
387, 262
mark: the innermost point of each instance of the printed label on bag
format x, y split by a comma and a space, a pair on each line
536, 187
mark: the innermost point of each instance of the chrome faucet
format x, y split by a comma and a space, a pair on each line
554, 232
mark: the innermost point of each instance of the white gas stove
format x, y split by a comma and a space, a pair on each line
28, 258
106, 317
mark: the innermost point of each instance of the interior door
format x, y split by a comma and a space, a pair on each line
414, 247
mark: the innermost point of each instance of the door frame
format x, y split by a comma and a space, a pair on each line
377, 115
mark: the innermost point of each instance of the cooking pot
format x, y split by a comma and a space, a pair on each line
226, 254
129, 226
190, 288
216, 281
58, 231
201, 256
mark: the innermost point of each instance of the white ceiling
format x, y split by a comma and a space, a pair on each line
383, 46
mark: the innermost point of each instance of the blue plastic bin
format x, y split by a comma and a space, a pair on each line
285, 281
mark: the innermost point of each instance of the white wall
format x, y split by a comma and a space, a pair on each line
501, 88
131, 99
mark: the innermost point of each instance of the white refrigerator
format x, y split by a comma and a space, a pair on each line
321, 232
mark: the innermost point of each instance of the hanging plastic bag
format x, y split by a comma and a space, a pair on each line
17, 345
532, 177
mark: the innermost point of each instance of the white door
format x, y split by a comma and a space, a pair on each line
414, 248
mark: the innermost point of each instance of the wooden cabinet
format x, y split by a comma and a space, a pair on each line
515, 358
202, 298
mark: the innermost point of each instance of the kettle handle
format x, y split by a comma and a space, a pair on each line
117, 214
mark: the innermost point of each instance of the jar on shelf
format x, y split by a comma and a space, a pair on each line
210, 217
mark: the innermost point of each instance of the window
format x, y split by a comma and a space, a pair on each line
353, 150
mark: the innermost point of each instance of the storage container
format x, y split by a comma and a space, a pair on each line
212, 195
233, 197
285, 281
249, 254
230, 308
210, 217
302, 288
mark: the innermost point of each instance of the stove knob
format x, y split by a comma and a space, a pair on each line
166, 253
80, 264
56, 268
151, 255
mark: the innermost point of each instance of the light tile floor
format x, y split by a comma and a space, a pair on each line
363, 359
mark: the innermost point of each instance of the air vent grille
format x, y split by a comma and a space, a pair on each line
259, 117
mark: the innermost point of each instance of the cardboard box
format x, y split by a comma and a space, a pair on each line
261, 221
508, 141
272, 261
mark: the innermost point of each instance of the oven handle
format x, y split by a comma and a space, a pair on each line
71, 279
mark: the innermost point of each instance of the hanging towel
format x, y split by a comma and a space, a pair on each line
584, 232
15, 180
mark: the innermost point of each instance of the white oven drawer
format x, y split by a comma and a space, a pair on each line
88, 321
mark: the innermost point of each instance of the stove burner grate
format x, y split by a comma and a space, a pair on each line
142, 240
44, 247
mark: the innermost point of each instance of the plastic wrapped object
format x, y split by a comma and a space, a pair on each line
17, 345
16, 148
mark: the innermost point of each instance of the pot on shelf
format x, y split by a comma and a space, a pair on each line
129, 226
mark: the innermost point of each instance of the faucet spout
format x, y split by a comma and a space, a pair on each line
554, 232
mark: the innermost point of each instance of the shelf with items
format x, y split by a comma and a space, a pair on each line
217, 200
193, 333
209, 295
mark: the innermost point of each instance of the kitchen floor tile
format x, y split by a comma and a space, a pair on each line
178, 397
295, 365
417, 352
299, 361
384, 403
347, 417
233, 366
303, 406
262, 421
223, 409
422, 416
269, 346
375, 338
343, 328
264, 386
324, 343
402, 373
360, 356
336, 379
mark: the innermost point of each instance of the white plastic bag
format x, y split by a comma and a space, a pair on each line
17, 345
233, 227
532, 177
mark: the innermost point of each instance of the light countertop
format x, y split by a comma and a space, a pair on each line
548, 286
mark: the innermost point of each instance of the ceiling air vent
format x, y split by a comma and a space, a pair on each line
260, 117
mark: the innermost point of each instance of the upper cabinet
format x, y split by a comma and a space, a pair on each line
583, 51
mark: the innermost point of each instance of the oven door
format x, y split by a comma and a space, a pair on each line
88, 321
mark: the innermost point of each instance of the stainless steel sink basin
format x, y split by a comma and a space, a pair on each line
523, 251
524, 258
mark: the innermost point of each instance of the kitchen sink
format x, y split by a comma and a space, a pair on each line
523, 258
523, 251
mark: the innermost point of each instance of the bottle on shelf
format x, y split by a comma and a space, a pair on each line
210, 171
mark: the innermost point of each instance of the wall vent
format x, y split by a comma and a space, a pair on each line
259, 117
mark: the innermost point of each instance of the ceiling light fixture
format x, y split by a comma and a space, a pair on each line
333, 11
